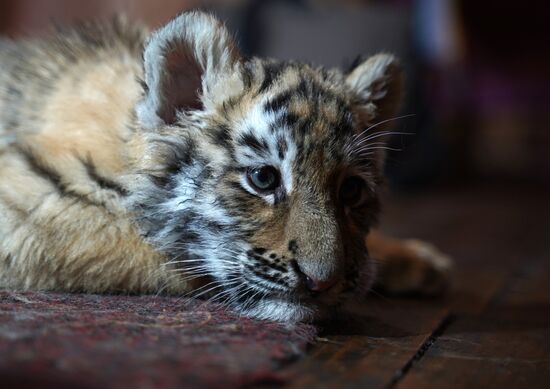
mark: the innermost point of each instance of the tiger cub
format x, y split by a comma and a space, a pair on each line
169, 163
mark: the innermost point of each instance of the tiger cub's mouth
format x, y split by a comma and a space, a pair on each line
277, 290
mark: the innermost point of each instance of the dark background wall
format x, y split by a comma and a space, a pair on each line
477, 74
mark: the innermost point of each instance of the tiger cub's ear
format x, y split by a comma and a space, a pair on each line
377, 84
184, 62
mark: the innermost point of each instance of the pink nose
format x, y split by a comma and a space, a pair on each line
320, 286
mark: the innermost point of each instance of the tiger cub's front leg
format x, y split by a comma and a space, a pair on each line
408, 266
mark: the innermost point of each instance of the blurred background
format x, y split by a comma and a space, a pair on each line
477, 79
473, 179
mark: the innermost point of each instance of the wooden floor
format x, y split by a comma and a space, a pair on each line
491, 330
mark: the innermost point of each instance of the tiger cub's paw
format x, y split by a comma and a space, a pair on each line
416, 267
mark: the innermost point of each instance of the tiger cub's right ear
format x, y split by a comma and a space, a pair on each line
377, 83
183, 64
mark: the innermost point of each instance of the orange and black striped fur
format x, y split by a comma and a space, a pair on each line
169, 163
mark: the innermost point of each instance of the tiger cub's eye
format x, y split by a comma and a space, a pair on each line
264, 179
352, 191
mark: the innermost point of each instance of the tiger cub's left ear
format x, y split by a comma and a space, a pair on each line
186, 63
378, 86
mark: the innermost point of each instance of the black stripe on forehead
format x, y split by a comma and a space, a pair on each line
272, 72
284, 119
248, 139
313, 90
278, 102
288, 118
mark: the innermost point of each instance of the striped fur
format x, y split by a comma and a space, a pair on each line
123, 172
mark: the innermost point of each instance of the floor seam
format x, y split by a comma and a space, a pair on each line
436, 333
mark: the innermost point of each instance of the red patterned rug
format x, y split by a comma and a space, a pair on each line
89, 341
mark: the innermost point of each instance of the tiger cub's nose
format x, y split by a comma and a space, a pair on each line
320, 286
314, 284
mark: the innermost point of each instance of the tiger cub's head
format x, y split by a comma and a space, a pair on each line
261, 176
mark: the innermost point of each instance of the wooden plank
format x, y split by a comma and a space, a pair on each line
370, 351
506, 346
506, 341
